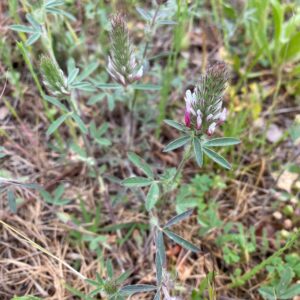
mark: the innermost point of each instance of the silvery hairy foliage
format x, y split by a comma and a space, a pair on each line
122, 62
204, 113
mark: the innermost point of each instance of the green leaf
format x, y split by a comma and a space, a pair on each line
123, 277
166, 22
56, 102
146, 87
159, 269
136, 181
2, 154
217, 158
56, 124
176, 125
88, 70
291, 49
53, 3
144, 13
109, 86
278, 18
22, 28
109, 269
72, 76
268, 292
103, 142
80, 123
181, 241
141, 164
160, 246
221, 142
83, 86
61, 12
33, 38
291, 292
138, 288
33, 22
198, 151
177, 143
12, 201
179, 218
26, 298
285, 279
96, 98
152, 196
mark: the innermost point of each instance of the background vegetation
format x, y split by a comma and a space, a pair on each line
241, 217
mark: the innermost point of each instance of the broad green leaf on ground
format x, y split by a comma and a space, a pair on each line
141, 164
179, 218
291, 292
217, 158
181, 241
177, 143
221, 142
152, 196
198, 151
136, 181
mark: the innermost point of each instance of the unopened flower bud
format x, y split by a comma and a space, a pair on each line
187, 119
122, 63
209, 117
53, 77
223, 115
199, 119
211, 129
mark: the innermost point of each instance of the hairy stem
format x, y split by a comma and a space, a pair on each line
143, 57
185, 158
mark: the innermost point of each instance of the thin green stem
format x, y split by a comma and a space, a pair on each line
185, 158
133, 103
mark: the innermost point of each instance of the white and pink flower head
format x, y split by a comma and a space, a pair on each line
204, 110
